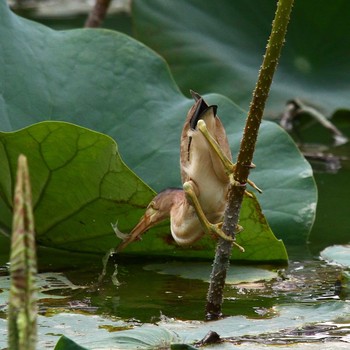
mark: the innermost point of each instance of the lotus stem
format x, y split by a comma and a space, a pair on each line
245, 157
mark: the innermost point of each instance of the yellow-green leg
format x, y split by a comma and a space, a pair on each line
229, 166
207, 226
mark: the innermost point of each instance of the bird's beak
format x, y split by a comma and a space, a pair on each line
148, 220
200, 110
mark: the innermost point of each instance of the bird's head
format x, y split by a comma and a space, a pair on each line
157, 211
201, 110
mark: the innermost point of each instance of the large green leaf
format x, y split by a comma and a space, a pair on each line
226, 40
79, 184
128, 94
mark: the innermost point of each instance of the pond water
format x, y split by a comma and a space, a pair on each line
148, 289
298, 304
297, 307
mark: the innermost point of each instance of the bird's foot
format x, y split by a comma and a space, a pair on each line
239, 229
227, 163
216, 230
208, 227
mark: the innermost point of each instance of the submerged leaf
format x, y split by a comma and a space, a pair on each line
90, 332
286, 316
238, 274
337, 254
47, 283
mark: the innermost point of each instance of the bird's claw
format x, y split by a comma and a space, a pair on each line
216, 230
228, 164
208, 227
239, 229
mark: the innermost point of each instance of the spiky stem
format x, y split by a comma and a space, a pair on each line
245, 157
22, 312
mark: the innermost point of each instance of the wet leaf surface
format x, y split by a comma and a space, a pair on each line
337, 254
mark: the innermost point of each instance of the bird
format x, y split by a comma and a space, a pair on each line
207, 169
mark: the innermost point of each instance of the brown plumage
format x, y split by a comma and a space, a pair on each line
202, 170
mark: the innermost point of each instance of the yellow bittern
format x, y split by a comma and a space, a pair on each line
206, 172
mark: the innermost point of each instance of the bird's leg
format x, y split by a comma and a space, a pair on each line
207, 226
227, 163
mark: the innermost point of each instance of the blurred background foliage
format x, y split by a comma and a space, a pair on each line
227, 40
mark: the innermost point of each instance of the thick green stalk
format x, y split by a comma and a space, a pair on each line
22, 312
245, 157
